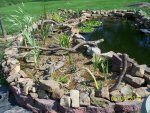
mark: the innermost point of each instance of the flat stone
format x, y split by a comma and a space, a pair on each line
57, 93
23, 74
84, 99
65, 101
126, 91
12, 77
128, 106
49, 85
108, 54
72, 110
34, 95
74, 95
138, 70
104, 92
141, 92
93, 50
115, 96
42, 94
134, 81
46, 105
86, 14
93, 109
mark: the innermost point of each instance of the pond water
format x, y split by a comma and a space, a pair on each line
122, 36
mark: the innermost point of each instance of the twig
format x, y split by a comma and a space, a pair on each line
122, 74
62, 48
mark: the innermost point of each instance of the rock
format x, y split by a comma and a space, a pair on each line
93, 109
147, 78
46, 105
134, 81
99, 102
147, 31
116, 63
26, 89
86, 14
57, 93
12, 77
33, 89
104, 92
108, 54
11, 51
49, 85
84, 99
74, 95
78, 38
23, 74
115, 96
24, 81
126, 91
138, 70
72, 110
65, 101
128, 107
42, 94
141, 92
93, 50
34, 95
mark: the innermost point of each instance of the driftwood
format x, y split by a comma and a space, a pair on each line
3, 28
73, 50
122, 74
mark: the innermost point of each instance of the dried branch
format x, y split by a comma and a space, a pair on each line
62, 48
122, 74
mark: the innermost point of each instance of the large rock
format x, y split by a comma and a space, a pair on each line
127, 91
49, 85
128, 107
57, 93
93, 109
138, 70
93, 50
84, 99
46, 105
141, 92
65, 101
104, 92
134, 81
74, 95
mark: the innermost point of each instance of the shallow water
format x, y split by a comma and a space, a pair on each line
122, 36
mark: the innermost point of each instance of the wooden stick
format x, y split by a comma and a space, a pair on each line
62, 48
122, 74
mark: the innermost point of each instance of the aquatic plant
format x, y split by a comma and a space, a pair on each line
86, 29
92, 23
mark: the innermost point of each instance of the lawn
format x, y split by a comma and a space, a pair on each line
34, 8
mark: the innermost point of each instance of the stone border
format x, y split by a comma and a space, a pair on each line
11, 68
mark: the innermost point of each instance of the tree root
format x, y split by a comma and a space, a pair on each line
122, 74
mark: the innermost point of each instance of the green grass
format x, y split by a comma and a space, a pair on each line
35, 8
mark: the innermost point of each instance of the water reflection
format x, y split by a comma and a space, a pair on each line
122, 36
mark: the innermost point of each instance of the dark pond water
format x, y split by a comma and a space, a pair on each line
122, 36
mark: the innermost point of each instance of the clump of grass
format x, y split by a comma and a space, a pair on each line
94, 78
21, 19
92, 23
58, 18
65, 41
100, 63
63, 79
31, 42
46, 29
86, 29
